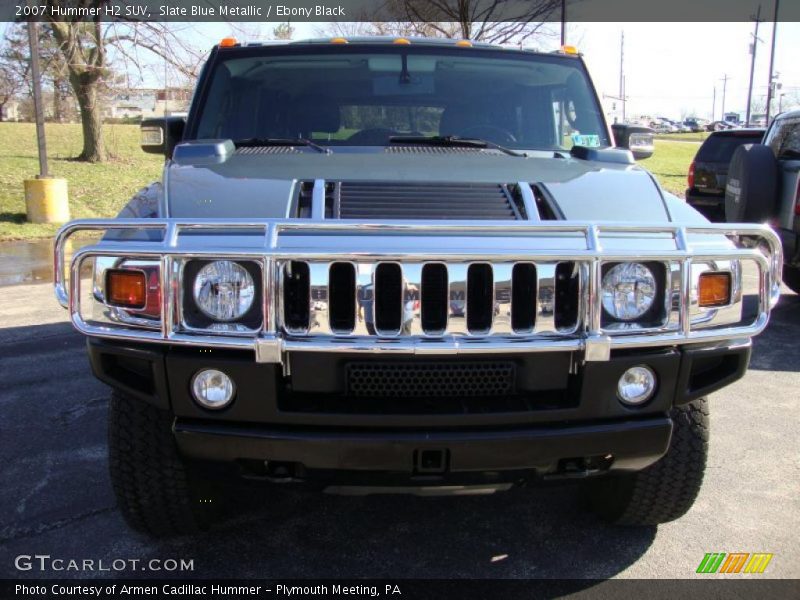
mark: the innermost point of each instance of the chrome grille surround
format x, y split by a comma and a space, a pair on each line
414, 243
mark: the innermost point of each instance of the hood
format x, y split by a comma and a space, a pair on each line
264, 186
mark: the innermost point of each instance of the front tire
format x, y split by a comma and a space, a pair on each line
150, 478
667, 489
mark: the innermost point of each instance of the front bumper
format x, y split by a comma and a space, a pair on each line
588, 425
629, 444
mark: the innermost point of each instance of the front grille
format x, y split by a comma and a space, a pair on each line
465, 201
429, 379
433, 299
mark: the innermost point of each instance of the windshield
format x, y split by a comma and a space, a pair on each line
354, 97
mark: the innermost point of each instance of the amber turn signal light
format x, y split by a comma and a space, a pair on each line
714, 289
126, 289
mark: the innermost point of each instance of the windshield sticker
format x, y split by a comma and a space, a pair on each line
589, 141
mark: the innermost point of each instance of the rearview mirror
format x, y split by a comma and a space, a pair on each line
637, 139
160, 135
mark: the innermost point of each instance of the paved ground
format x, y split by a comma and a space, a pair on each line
56, 497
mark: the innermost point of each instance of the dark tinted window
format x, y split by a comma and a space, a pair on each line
360, 97
720, 148
784, 137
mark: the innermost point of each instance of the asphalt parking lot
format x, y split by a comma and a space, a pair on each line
56, 496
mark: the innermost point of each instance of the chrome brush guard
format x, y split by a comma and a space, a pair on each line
273, 244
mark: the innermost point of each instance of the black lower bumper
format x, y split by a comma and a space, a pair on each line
581, 424
630, 444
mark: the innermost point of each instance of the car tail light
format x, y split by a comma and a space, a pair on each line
714, 289
690, 177
126, 289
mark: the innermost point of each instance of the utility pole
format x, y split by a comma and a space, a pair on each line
771, 87
621, 72
563, 22
724, 81
33, 40
713, 104
752, 66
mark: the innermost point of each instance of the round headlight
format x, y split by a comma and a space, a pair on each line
224, 290
636, 385
212, 389
629, 290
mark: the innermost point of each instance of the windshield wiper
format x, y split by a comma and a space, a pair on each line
255, 141
452, 141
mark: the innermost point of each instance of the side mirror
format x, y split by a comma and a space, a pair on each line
160, 135
637, 139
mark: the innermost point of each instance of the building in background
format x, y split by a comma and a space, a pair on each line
142, 103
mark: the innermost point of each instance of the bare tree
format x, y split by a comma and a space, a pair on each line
283, 31
10, 86
87, 46
492, 21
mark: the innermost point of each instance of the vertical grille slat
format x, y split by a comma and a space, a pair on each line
523, 302
434, 298
503, 293
388, 303
545, 317
567, 296
480, 298
295, 296
319, 301
342, 297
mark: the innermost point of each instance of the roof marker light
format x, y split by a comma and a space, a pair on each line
339, 40
402, 42
228, 42
464, 43
569, 50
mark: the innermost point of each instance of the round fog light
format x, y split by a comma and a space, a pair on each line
636, 385
212, 389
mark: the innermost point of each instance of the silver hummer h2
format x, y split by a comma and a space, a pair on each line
409, 265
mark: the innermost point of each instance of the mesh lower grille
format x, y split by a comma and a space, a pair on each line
430, 379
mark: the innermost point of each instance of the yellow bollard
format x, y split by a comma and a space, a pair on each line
46, 200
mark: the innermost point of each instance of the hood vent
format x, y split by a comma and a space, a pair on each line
252, 150
394, 200
438, 150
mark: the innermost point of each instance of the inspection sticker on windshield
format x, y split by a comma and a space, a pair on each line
589, 141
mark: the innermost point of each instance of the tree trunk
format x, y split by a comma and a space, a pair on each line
58, 107
94, 148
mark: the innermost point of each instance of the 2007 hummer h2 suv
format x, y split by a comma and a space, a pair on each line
410, 265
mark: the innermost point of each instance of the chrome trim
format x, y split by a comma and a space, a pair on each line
417, 242
528, 201
318, 200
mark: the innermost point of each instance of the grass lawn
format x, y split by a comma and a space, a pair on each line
101, 190
699, 136
95, 190
670, 164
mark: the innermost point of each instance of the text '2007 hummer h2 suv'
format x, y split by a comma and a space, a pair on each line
410, 266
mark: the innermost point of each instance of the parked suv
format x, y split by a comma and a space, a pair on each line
764, 187
409, 266
709, 170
